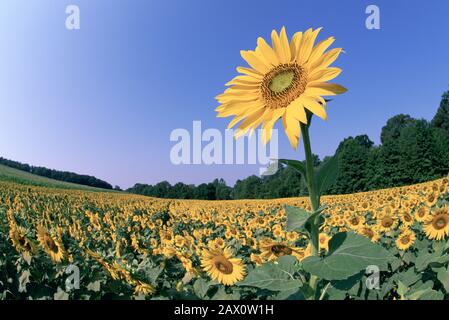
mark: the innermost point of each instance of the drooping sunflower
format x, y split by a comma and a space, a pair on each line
272, 250
405, 239
221, 266
51, 244
436, 225
285, 80
18, 236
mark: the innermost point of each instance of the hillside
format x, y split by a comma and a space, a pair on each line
22, 177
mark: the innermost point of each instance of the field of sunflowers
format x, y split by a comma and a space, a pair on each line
133, 247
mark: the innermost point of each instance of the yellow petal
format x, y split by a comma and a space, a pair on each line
323, 75
325, 89
296, 39
243, 80
267, 51
267, 126
296, 110
306, 45
285, 45
292, 129
315, 107
250, 72
319, 49
254, 61
277, 46
326, 59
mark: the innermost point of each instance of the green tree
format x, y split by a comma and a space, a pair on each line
352, 156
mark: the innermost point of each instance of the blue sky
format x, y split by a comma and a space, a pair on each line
103, 100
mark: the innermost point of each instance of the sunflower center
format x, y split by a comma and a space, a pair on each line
368, 232
223, 265
440, 222
282, 81
407, 218
387, 222
405, 240
283, 84
51, 244
281, 250
355, 221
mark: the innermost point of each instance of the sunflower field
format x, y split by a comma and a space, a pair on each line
123, 246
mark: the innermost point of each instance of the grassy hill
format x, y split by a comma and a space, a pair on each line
22, 177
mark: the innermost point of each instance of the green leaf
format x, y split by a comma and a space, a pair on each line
402, 288
443, 277
327, 175
410, 277
222, 295
349, 253
200, 287
296, 218
273, 276
295, 164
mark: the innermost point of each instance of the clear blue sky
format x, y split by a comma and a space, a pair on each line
103, 100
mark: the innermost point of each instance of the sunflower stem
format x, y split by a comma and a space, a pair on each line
314, 200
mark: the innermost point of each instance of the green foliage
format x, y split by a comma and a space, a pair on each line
57, 175
349, 254
22, 177
277, 276
327, 174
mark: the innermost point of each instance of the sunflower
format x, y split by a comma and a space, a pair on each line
222, 267
52, 245
286, 80
406, 218
354, 221
422, 213
143, 288
387, 223
324, 241
19, 239
405, 239
369, 232
272, 250
437, 224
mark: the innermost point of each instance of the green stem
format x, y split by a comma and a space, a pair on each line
311, 185
314, 200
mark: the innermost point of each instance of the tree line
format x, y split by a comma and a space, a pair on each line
411, 151
57, 175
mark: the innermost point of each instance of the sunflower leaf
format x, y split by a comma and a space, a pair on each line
327, 175
296, 218
274, 276
295, 164
443, 277
349, 253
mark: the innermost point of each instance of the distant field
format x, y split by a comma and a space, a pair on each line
22, 177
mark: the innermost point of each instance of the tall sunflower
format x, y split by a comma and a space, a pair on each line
221, 266
437, 224
52, 245
285, 80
